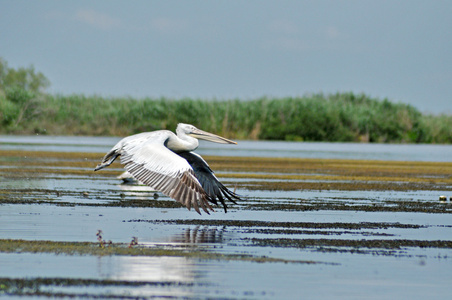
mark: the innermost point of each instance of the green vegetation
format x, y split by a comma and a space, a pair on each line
341, 117
123, 249
344, 117
20, 91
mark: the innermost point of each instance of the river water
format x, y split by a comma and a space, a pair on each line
399, 152
352, 268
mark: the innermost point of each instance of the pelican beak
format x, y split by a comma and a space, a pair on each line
207, 136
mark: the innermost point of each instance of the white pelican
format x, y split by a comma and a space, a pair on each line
164, 161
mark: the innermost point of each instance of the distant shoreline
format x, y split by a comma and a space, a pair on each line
341, 117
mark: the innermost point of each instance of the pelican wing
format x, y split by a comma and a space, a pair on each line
210, 183
155, 165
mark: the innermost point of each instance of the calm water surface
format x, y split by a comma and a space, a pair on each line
339, 272
401, 152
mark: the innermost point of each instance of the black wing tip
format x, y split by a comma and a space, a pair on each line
223, 193
108, 159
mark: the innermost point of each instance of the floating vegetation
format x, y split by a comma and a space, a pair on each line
265, 224
91, 248
267, 173
360, 246
244, 173
43, 287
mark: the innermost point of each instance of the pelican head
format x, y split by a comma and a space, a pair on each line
200, 134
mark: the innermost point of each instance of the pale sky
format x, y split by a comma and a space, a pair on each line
400, 50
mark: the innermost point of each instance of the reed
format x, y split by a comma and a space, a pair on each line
344, 117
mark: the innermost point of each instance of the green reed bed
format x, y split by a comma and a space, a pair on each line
344, 117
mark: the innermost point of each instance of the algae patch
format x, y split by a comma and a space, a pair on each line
393, 247
256, 173
89, 248
42, 286
266, 224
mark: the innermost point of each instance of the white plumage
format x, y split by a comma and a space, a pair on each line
164, 161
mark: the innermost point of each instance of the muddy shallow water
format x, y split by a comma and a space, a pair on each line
312, 224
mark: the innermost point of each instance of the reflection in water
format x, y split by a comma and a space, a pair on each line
141, 192
167, 276
199, 235
146, 268
162, 269
127, 178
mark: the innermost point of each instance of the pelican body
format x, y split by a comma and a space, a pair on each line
165, 161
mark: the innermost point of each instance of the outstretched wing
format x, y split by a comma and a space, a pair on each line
150, 162
210, 183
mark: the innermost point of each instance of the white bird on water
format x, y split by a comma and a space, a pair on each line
165, 162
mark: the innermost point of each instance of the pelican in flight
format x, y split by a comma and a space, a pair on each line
165, 162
